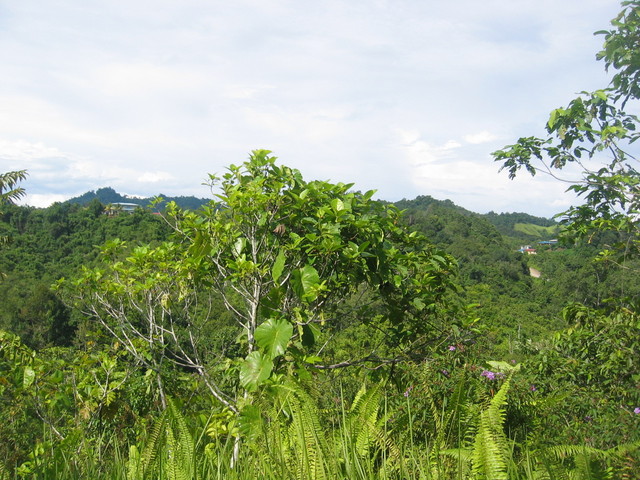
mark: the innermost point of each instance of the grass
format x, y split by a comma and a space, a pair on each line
537, 230
292, 444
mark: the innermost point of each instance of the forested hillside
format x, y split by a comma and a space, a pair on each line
57, 241
108, 195
296, 329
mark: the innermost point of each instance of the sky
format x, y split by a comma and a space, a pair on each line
407, 97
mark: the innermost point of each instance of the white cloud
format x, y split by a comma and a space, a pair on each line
21, 151
154, 177
480, 137
454, 171
43, 200
153, 95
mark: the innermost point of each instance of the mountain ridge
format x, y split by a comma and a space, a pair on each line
508, 224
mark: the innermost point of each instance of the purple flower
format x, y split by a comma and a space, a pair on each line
532, 388
452, 348
407, 391
489, 374
636, 410
445, 372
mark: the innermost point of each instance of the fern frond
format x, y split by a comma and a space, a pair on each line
134, 464
363, 418
180, 461
296, 440
152, 448
490, 444
571, 451
4, 473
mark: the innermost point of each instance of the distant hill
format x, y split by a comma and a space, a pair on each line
108, 195
523, 226
482, 253
517, 226
537, 231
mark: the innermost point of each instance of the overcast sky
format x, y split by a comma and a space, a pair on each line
408, 97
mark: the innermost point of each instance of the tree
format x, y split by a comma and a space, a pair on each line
595, 133
9, 191
295, 263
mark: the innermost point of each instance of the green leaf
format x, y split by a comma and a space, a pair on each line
337, 205
250, 421
305, 283
239, 246
278, 266
309, 334
255, 369
28, 377
272, 336
419, 304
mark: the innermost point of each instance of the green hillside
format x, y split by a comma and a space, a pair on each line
537, 231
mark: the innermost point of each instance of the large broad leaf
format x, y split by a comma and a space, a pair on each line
309, 332
305, 282
272, 336
255, 369
250, 421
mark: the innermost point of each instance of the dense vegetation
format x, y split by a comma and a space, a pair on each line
299, 329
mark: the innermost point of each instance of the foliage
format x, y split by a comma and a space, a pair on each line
9, 191
169, 451
286, 257
594, 133
51, 243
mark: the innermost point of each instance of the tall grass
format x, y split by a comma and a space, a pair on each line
290, 438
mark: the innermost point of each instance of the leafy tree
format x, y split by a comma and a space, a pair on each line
295, 263
592, 364
9, 191
595, 133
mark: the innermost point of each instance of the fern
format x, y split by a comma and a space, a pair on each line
490, 445
309, 443
169, 450
141, 465
363, 418
448, 421
588, 462
180, 460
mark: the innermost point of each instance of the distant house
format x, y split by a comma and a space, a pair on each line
118, 207
528, 250
548, 242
